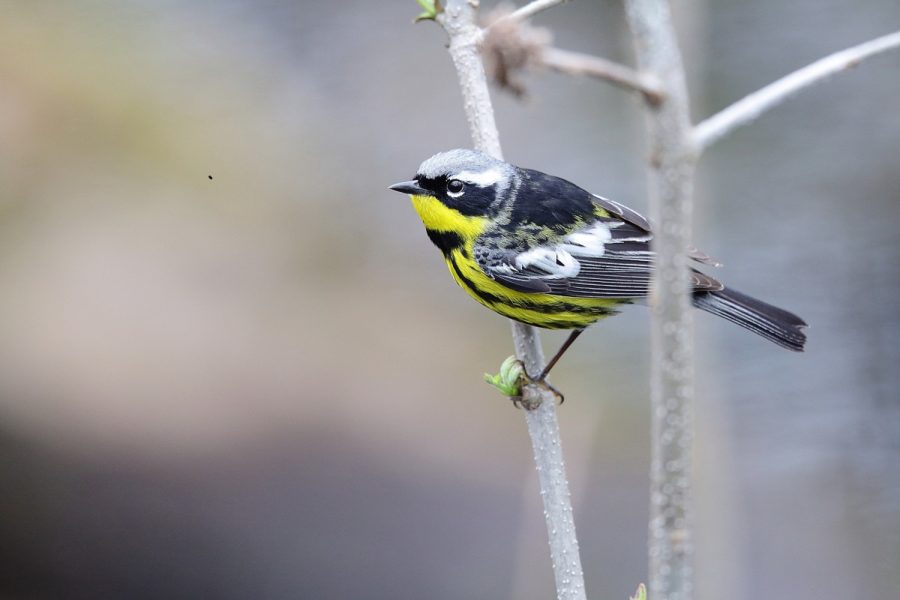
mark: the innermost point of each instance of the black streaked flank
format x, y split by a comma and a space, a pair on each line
447, 241
470, 285
553, 323
560, 307
544, 308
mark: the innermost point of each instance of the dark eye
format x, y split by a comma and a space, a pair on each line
455, 186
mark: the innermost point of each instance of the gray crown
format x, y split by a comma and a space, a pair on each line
459, 160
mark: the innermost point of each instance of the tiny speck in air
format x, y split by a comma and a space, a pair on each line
210, 177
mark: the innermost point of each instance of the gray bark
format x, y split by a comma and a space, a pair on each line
672, 161
459, 21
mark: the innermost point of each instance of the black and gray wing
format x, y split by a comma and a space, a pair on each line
636, 219
608, 258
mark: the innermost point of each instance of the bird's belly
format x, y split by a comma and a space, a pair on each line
541, 310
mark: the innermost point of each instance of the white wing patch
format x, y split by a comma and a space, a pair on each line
588, 242
481, 178
504, 269
559, 260
554, 260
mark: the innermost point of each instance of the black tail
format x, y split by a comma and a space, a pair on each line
780, 326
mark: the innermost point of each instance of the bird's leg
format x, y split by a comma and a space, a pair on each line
541, 379
562, 350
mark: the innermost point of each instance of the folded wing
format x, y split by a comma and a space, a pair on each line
608, 258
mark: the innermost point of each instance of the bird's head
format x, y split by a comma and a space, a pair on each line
458, 189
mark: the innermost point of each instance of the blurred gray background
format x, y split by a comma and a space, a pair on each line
266, 385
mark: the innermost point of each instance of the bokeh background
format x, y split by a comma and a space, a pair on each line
233, 366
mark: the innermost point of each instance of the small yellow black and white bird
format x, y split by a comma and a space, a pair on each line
541, 250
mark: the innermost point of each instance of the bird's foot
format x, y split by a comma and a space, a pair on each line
544, 385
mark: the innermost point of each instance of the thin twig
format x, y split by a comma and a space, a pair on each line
527, 11
672, 365
459, 21
575, 63
752, 106
511, 46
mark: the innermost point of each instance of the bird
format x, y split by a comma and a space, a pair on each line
543, 251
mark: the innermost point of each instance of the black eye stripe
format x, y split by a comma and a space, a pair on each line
429, 184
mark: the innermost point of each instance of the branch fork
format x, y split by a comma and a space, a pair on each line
510, 44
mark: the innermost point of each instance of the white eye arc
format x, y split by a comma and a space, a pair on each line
455, 188
481, 178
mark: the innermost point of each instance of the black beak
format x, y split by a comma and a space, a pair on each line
410, 187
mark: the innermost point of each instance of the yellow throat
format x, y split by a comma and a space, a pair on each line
438, 217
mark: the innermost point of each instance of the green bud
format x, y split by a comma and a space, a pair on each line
430, 10
508, 380
641, 593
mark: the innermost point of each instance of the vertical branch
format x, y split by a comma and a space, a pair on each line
458, 19
672, 161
